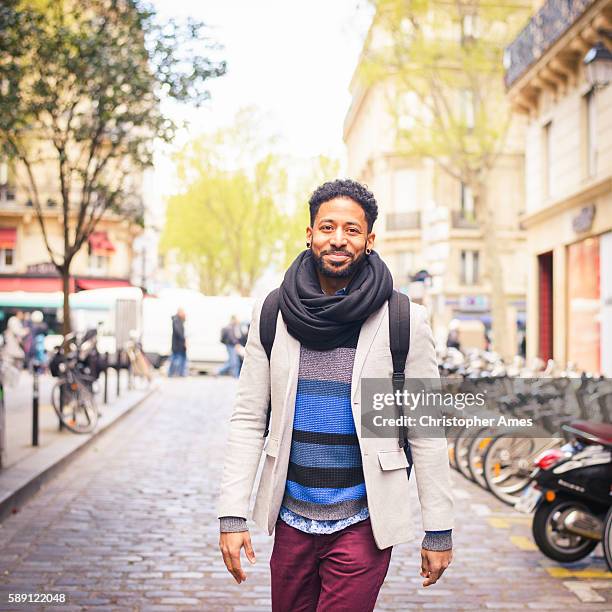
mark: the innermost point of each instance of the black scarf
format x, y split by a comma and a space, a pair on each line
323, 322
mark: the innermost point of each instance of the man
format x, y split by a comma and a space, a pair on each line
337, 502
178, 359
230, 337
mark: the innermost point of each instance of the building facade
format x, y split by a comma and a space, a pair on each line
568, 178
427, 222
104, 261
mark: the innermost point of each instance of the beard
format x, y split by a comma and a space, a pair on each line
335, 269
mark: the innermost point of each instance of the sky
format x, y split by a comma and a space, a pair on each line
291, 59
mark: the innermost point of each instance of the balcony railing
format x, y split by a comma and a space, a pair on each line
460, 221
543, 30
403, 221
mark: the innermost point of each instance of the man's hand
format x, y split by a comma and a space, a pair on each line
433, 564
230, 545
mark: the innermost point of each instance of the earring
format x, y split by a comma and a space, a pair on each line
368, 251
308, 245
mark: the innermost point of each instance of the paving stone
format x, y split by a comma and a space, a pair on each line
131, 526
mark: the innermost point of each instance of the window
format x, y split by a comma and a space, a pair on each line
467, 202
470, 267
469, 27
591, 133
6, 190
7, 259
98, 264
405, 198
547, 159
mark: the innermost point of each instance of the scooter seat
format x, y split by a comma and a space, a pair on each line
599, 433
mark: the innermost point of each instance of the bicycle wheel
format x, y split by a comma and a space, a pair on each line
462, 445
507, 465
475, 457
79, 412
607, 539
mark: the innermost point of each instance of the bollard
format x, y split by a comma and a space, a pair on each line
118, 372
106, 377
35, 397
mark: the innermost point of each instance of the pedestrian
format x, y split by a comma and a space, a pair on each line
453, 340
14, 336
230, 337
336, 502
39, 330
178, 359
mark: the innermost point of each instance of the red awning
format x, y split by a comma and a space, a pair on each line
8, 237
100, 243
84, 284
25, 283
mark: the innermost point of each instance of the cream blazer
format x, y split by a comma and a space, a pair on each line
384, 463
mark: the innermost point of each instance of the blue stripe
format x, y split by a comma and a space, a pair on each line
326, 495
321, 455
324, 414
323, 387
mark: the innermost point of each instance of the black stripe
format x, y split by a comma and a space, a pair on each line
320, 478
315, 437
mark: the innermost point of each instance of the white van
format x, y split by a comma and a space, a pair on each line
205, 317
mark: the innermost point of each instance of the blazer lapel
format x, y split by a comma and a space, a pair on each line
366, 337
293, 359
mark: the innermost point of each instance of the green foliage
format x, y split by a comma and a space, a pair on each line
444, 62
441, 65
80, 88
237, 216
81, 83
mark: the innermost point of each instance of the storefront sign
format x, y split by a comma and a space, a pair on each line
42, 268
583, 221
473, 303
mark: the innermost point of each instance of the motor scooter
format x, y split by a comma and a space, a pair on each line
571, 493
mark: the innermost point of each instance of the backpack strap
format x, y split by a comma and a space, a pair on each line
399, 342
267, 332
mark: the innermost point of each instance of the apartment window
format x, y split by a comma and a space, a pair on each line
7, 259
6, 190
405, 193
98, 264
467, 202
469, 26
470, 267
591, 133
547, 159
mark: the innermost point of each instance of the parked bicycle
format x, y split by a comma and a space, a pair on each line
76, 366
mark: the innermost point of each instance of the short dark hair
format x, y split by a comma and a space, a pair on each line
344, 188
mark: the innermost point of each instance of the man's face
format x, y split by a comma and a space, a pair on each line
339, 237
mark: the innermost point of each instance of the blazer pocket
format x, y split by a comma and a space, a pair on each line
392, 459
271, 448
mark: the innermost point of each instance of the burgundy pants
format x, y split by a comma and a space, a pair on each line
333, 572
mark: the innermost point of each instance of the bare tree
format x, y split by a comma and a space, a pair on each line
80, 89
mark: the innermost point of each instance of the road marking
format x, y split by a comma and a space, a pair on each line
523, 542
585, 591
563, 572
498, 523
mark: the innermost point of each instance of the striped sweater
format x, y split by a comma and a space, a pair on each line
325, 477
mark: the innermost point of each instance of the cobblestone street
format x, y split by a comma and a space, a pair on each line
131, 525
